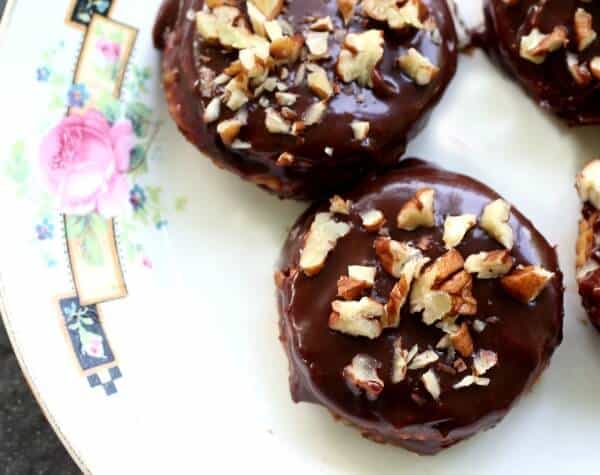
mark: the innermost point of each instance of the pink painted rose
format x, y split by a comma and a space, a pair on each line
109, 49
85, 161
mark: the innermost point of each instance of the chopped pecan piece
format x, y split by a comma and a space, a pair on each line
361, 375
526, 283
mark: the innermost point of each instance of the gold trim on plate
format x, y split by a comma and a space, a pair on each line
5, 312
5, 18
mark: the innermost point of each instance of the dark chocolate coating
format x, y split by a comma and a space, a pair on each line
396, 107
589, 289
524, 337
550, 83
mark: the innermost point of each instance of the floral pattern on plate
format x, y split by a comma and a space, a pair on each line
84, 10
96, 164
86, 334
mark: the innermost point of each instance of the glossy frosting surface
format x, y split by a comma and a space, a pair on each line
523, 336
395, 107
550, 83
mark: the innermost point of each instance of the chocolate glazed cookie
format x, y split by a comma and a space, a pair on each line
551, 47
588, 242
418, 307
306, 96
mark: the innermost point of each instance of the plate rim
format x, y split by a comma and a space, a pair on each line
4, 314
5, 18
6, 320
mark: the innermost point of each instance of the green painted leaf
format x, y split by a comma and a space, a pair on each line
139, 114
100, 30
109, 106
46, 209
77, 226
98, 224
18, 148
16, 167
138, 158
136, 83
181, 203
57, 102
146, 72
154, 193
91, 250
57, 80
142, 215
116, 36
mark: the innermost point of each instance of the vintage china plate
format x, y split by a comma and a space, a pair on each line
151, 341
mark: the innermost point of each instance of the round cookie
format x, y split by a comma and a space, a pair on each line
552, 49
307, 96
418, 307
588, 255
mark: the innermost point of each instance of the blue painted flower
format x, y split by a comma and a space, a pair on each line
45, 230
137, 197
43, 74
78, 95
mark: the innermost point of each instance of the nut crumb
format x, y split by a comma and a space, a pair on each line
462, 341
339, 205
489, 265
424, 359
285, 159
536, 45
418, 67
432, 383
360, 55
361, 375
479, 326
418, 211
584, 30
456, 227
357, 318
346, 8
350, 288
320, 240
526, 283
372, 220
401, 360
360, 130
494, 220
483, 361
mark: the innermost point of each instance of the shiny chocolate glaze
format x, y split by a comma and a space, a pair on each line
550, 83
396, 107
523, 336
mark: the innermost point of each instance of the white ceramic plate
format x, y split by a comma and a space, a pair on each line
185, 373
